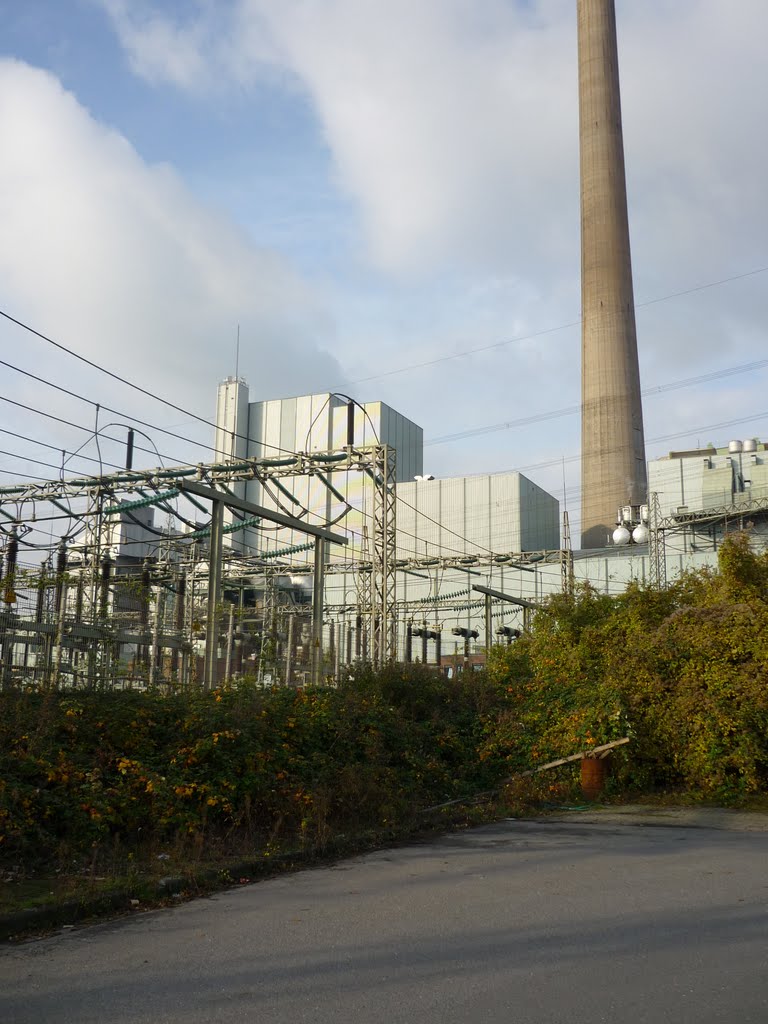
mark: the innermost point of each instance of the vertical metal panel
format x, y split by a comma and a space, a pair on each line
338, 424
372, 422
288, 425
430, 495
303, 414
407, 519
417, 447
385, 432
255, 429
505, 512
476, 513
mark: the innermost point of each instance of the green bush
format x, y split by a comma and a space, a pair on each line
85, 770
682, 672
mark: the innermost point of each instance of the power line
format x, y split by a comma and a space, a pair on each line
99, 405
130, 384
79, 426
27, 458
653, 440
560, 327
58, 448
571, 410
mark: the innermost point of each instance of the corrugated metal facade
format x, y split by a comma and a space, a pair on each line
702, 480
309, 423
499, 512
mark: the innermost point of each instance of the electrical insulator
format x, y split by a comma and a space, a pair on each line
468, 634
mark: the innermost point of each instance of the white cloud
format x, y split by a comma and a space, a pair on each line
445, 120
160, 49
453, 127
117, 259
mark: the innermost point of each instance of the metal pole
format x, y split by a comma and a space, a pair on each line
144, 594
239, 640
154, 656
106, 648
9, 597
214, 592
289, 650
488, 625
332, 645
317, 611
11, 554
230, 638
39, 613
106, 571
61, 568
188, 655
61, 611
181, 589
337, 660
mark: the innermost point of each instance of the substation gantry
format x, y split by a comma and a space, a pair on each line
105, 495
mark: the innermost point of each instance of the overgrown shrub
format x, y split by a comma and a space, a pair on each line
682, 672
88, 769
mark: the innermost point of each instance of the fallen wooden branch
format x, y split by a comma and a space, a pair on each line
602, 751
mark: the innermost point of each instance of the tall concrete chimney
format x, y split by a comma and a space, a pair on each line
613, 469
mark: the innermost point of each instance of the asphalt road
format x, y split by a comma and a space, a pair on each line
583, 919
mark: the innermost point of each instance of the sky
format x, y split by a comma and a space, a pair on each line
382, 198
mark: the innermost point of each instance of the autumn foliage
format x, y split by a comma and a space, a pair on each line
683, 672
81, 770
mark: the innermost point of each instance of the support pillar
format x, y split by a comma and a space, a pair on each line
318, 590
214, 594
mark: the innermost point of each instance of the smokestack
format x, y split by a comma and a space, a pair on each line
613, 469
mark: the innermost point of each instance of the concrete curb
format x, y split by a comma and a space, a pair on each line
21, 923
70, 912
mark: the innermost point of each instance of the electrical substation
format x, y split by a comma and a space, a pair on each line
314, 541
362, 569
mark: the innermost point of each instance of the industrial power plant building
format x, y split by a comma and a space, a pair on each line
277, 428
461, 515
453, 518
699, 495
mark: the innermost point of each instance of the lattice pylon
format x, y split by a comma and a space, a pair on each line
384, 575
267, 657
363, 584
657, 547
566, 557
